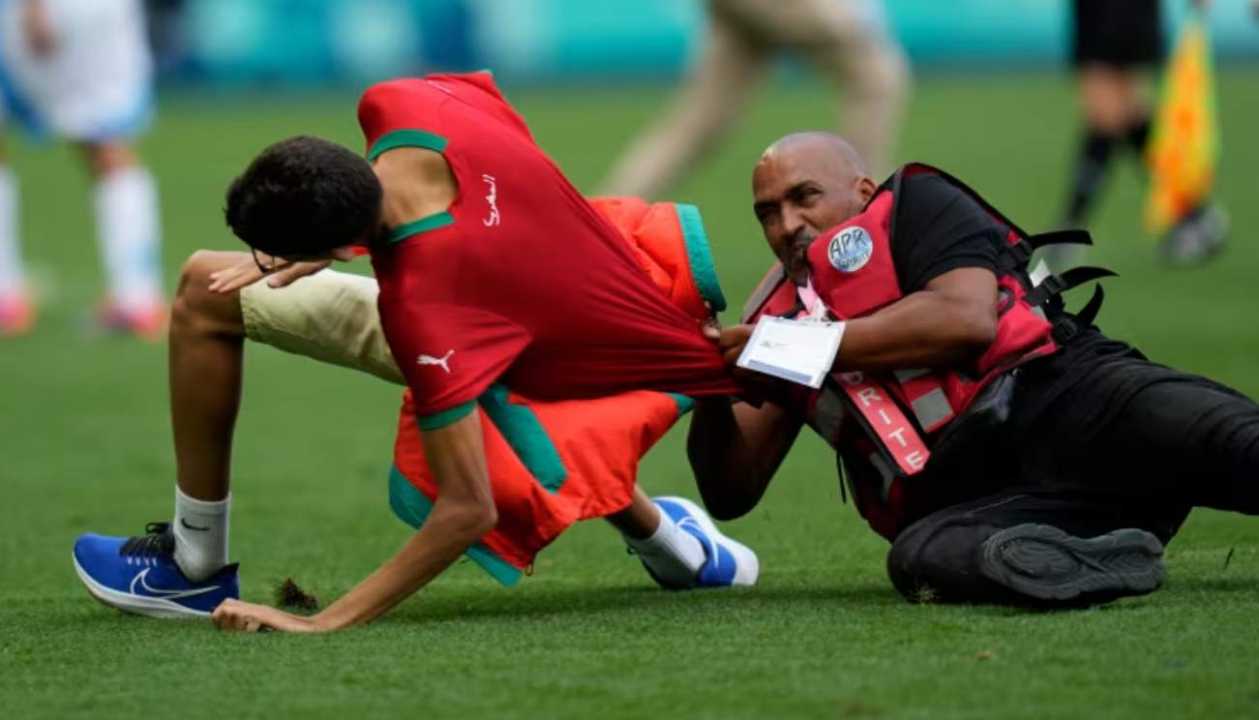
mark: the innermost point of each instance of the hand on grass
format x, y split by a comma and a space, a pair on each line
248, 617
247, 272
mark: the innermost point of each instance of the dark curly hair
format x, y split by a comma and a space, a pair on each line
302, 197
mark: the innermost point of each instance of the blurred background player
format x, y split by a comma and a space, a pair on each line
846, 39
1115, 44
81, 70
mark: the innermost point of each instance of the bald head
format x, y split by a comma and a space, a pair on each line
825, 146
804, 184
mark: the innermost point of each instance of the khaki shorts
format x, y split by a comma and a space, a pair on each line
846, 27
329, 316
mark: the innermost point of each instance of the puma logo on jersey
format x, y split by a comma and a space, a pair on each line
491, 198
441, 362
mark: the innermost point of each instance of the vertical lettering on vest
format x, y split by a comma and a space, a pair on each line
891, 429
868, 396
899, 436
916, 460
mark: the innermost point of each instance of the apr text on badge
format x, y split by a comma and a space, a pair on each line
801, 351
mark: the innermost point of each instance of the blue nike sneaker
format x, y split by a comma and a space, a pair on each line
139, 575
727, 562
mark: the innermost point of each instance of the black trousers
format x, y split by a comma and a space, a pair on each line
1117, 33
1174, 442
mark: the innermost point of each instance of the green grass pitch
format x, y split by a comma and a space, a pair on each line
85, 445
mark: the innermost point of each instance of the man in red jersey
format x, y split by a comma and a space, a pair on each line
479, 261
493, 271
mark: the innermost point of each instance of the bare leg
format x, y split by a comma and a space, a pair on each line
640, 519
670, 546
17, 311
1115, 112
1112, 98
125, 199
876, 85
849, 42
699, 115
108, 157
207, 334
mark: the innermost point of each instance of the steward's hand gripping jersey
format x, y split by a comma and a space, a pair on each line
886, 426
523, 289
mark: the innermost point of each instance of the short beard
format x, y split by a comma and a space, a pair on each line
796, 261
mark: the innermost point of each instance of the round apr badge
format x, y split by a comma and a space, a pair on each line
850, 249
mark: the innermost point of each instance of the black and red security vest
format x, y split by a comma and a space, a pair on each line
884, 426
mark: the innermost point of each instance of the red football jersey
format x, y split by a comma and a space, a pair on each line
521, 280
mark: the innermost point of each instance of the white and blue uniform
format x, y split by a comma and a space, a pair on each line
95, 85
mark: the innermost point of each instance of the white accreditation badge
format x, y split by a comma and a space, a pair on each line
801, 351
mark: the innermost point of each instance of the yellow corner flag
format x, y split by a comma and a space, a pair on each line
1185, 143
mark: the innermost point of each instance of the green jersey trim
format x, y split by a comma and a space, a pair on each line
413, 508
685, 403
700, 255
439, 420
423, 225
527, 437
406, 138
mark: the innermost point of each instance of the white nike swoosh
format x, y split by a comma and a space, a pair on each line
167, 594
712, 546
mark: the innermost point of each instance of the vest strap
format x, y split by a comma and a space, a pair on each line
886, 421
1060, 237
1067, 327
768, 285
1057, 284
1014, 256
1018, 254
1088, 313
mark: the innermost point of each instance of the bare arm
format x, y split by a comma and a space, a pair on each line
735, 449
464, 511
951, 321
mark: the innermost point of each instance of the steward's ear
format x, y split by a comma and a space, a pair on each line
866, 188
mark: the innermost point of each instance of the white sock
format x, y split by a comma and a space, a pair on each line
128, 230
12, 276
673, 554
200, 535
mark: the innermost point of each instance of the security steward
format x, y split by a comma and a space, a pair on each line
1009, 450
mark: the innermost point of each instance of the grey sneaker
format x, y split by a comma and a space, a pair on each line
1198, 237
1046, 564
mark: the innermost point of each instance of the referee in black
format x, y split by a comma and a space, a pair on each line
1115, 45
